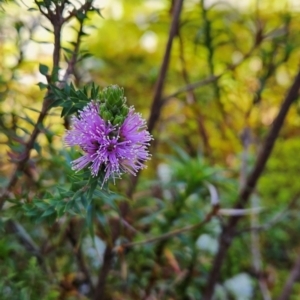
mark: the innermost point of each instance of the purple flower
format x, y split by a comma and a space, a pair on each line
114, 149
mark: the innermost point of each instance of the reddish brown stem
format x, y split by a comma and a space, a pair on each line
57, 21
157, 99
100, 293
26, 154
294, 276
228, 231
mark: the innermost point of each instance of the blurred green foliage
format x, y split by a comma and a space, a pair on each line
197, 152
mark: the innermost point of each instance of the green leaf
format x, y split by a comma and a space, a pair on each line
43, 69
82, 95
24, 129
67, 111
80, 16
98, 11
37, 147
48, 212
94, 91
84, 201
27, 119
68, 50
54, 75
42, 85
93, 182
48, 29
32, 109
41, 204
56, 103
89, 220
83, 56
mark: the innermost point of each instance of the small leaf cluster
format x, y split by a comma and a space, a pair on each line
112, 109
71, 99
54, 7
23, 281
76, 200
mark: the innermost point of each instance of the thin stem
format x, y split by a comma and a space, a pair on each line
255, 239
57, 47
57, 22
83, 9
294, 276
244, 195
256, 253
211, 51
100, 293
170, 234
157, 99
26, 153
25, 239
212, 78
276, 219
71, 235
191, 98
158, 102
73, 60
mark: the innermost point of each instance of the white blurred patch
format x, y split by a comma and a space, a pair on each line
34, 50
207, 243
40, 78
242, 5
255, 64
112, 9
93, 63
148, 41
220, 293
164, 172
29, 79
117, 10
10, 60
31, 52
94, 250
156, 4
141, 21
236, 57
240, 286
282, 77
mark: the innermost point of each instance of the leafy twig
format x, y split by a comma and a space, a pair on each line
170, 234
26, 154
57, 21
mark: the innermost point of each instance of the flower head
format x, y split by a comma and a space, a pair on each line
107, 146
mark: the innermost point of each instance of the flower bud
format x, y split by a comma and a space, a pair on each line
118, 120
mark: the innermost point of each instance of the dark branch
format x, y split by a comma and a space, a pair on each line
100, 293
294, 276
228, 231
157, 102
157, 99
